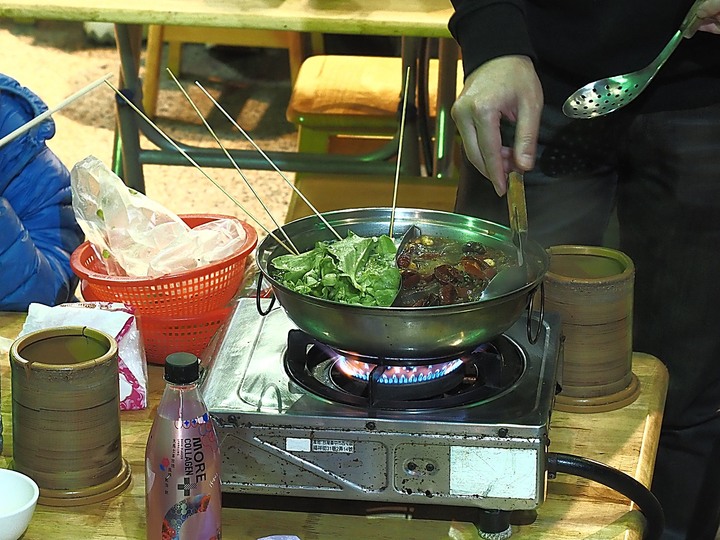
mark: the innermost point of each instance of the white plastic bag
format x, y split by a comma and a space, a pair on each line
139, 237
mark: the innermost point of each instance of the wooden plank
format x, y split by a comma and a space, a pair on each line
379, 17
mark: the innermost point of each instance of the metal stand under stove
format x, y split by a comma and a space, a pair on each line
282, 441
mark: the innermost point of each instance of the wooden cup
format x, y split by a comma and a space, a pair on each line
66, 415
592, 290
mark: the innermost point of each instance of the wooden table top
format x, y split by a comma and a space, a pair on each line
421, 18
625, 439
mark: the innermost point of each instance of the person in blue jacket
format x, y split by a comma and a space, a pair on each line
38, 231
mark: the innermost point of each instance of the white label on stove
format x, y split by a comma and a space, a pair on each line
333, 446
319, 445
297, 445
493, 472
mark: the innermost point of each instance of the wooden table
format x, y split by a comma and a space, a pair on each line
625, 439
380, 17
416, 19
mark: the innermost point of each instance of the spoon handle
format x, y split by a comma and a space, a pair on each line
518, 213
687, 23
690, 18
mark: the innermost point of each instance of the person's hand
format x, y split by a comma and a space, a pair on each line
505, 87
708, 18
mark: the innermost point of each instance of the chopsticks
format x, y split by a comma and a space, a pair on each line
400, 146
267, 158
41, 117
227, 154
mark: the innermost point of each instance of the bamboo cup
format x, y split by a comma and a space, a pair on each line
66, 415
592, 290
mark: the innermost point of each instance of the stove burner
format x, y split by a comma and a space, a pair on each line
401, 375
396, 384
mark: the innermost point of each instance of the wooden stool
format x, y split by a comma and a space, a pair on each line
348, 104
350, 95
176, 36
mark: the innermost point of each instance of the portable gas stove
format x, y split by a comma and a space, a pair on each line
297, 419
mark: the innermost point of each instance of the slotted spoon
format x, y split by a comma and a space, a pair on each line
612, 93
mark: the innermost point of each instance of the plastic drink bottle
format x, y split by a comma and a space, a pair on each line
182, 460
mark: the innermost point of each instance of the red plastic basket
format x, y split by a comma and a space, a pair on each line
165, 335
177, 312
183, 294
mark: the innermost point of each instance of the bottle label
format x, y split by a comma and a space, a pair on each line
184, 496
189, 454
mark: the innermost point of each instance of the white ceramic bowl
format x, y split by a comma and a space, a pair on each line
18, 497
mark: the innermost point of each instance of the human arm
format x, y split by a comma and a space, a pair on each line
500, 83
38, 231
34, 265
568, 49
503, 88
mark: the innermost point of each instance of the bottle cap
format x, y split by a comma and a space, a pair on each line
182, 368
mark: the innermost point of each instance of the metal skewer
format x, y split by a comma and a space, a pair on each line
41, 117
263, 154
220, 144
400, 147
194, 163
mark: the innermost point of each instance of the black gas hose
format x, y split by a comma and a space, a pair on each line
614, 479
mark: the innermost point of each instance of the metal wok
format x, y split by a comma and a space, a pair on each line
402, 332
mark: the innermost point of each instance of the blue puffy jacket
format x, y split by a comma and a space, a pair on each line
38, 231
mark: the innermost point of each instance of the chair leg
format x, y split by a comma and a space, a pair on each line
311, 141
296, 54
174, 59
153, 59
317, 43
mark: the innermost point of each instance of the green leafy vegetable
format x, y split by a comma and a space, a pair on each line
355, 270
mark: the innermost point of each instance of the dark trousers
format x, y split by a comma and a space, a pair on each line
660, 173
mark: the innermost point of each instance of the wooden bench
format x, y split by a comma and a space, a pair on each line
349, 104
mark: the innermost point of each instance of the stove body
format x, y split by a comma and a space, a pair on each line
278, 438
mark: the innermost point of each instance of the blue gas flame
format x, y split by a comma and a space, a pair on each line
397, 374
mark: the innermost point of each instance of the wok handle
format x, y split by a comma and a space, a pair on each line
534, 335
258, 296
